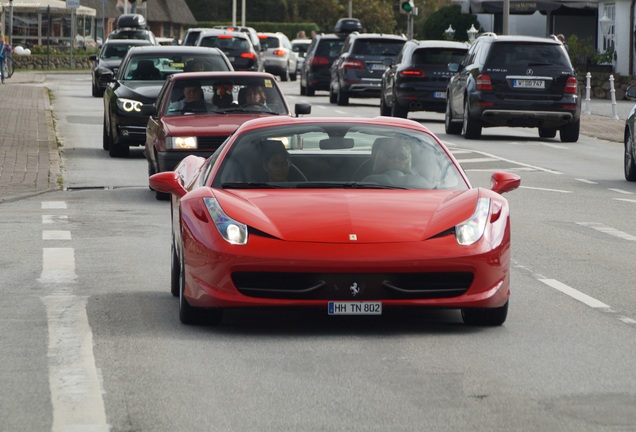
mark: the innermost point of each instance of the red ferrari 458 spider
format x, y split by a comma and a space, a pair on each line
351, 215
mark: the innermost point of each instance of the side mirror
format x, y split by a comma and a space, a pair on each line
92, 57
108, 76
630, 93
302, 108
453, 67
167, 182
502, 182
387, 62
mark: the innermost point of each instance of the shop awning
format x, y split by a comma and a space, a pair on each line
57, 6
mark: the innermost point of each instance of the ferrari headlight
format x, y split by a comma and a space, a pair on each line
471, 230
181, 143
129, 105
232, 231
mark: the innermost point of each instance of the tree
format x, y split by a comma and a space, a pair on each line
436, 24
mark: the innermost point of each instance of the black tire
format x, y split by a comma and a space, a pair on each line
310, 91
96, 91
570, 132
342, 97
399, 111
191, 315
471, 128
175, 271
547, 132
451, 127
490, 317
303, 89
105, 137
117, 150
384, 109
629, 159
285, 75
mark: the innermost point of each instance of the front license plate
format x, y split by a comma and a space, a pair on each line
355, 308
439, 95
525, 83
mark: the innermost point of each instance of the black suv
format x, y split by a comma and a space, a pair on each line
514, 81
321, 53
417, 80
357, 72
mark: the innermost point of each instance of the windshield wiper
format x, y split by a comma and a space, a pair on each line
345, 185
244, 110
251, 185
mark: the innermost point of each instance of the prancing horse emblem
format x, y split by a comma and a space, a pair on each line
354, 289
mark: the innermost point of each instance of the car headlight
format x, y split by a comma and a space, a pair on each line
471, 230
232, 231
129, 105
181, 143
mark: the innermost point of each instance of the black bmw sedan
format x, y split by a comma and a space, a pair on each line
129, 99
107, 62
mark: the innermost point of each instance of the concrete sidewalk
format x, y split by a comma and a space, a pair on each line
30, 160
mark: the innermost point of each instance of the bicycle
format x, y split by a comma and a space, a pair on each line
8, 66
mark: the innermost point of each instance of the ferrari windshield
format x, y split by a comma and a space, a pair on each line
337, 155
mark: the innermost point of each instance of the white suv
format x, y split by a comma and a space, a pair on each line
280, 59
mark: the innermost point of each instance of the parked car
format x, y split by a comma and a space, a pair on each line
129, 100
514, 81
275, 219
417, 80
132, 26
196, 112
107, 62
630, 134
357, 72
280, 59
321, 53
236, 46
299, 46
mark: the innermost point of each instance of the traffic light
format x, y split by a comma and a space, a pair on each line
406, 6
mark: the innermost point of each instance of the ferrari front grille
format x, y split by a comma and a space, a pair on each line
338, 286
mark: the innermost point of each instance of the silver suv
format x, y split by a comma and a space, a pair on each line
279, 58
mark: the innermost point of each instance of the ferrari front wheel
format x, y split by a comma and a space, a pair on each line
175, 273
191, 315
485, 316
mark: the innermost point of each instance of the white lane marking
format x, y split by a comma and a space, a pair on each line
575, 294
47, 205
608, 230
58, 266
56, 235
586, 181
547, 170
625, 200
75, 384
545, 189
49, 219
555, 146
621, 191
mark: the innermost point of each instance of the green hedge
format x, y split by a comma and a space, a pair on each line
290, 29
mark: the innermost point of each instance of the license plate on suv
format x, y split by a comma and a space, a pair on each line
528, 83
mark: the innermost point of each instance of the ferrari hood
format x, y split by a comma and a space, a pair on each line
343, 216
208, 124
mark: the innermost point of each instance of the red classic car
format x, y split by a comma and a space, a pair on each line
196, 112
351, 215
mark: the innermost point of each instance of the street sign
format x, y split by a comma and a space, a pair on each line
72, 4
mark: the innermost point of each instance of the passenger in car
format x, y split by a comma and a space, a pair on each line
277, 163
192, 101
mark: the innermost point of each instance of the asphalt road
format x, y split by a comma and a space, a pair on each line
92, 341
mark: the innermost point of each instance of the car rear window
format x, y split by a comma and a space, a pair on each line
438, 56
329, 48
225, 42
527, 54
273, 42
379, 47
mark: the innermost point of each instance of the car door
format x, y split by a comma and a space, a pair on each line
458, 83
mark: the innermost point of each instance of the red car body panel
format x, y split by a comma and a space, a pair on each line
343, 233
